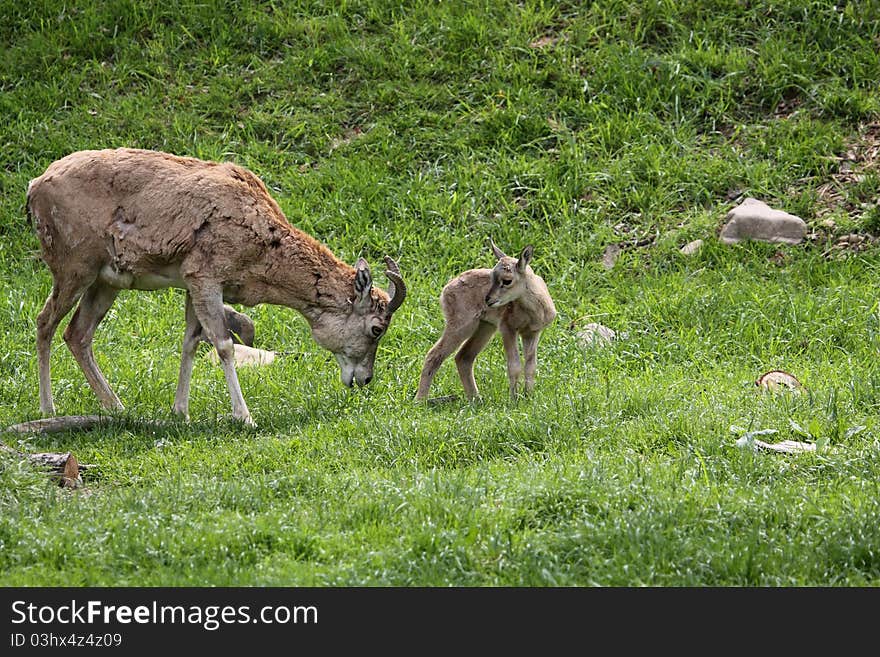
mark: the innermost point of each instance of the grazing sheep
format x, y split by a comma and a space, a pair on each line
116, 219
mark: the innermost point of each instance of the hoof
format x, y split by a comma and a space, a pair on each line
247, 420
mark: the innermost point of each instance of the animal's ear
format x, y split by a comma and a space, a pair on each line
363, 283
498, 253
524, 259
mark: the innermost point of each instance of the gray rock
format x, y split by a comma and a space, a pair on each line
755, 220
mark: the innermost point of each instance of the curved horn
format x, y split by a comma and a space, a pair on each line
396, 286
498, 252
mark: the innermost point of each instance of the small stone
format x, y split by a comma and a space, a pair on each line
691, 247
595, 335
610, 256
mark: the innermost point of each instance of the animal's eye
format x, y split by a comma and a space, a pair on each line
377, 331
507, 282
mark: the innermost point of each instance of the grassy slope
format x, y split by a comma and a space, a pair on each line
415, 131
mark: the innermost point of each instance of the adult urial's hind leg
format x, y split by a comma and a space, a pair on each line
78, 335
62, 298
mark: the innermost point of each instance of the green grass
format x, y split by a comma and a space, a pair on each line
416, 129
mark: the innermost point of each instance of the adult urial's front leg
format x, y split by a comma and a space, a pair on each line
207, 302
191, 339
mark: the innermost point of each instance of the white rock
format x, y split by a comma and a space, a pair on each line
755, 220
245, 355
786, 446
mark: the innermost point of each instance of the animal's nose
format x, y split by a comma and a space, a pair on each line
367, 380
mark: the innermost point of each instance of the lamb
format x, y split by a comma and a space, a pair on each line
119, 219
240, 326
510, 299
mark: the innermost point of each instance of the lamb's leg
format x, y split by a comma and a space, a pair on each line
62, 298
464, 359
192, 336
453, 335
530, 356
78, 335
207, 301
511, 351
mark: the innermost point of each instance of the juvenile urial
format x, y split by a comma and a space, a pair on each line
510, 299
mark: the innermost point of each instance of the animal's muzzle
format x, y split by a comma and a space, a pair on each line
354, 378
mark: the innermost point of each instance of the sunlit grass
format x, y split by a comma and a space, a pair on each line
416, 131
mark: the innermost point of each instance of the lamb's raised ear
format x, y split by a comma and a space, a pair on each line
363, 284
524, 259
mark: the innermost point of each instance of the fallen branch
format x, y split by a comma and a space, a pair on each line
63, 467
60, 423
